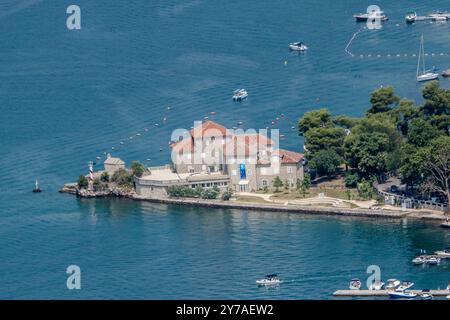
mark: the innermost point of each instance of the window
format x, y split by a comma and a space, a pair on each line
264, 183
290, 169
233, 172
263, 171
249, 172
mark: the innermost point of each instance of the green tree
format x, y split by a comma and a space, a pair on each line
412, 161
277, 183
98, 185
210, 193
383, 99
104, 177
345, 121
226, 196
137, 168
305, 184
123, 178
320, 118
437, 168
365, 189
82, 182
326, 162
329, 138
421, 132
437, 99
367, 153
351, 179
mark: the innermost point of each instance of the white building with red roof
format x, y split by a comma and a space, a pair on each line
211, 155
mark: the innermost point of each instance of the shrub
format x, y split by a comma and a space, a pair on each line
226, 196
137, 168
351, 179
82, 182
123, 178
105, 177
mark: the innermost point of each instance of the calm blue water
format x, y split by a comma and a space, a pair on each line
69, 96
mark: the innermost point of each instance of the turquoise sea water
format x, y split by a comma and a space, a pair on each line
67, 97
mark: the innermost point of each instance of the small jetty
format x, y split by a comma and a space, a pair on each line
385, 293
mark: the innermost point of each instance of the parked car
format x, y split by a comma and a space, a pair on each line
393, 189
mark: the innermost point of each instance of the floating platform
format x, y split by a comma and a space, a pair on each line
384, 293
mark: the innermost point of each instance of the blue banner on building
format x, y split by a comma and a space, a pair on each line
242, 171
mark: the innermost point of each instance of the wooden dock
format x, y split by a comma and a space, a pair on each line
383, 293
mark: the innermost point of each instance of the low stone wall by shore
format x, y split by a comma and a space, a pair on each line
275, 207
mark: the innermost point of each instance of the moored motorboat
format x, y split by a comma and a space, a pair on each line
419, 260
374, 14
298, 46
446, 73
432, 260
405, 285
392, 284
402, 294
355, 284
411, 17
377, 285
269, 280
426, 295
240, 94
443, 253
37, 189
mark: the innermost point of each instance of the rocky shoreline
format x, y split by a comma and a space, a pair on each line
275, 207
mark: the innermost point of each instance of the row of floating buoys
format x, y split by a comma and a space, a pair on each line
138, 134
398, 55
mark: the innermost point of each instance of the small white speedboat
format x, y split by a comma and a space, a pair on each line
355, 284
240, 94
269, 280
377, 285
298, 46
443, 253
433, 260
405, 285
411, 17
402, 294
392, 284
426, 295
419, 260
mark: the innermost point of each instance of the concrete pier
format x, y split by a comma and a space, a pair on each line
383, 293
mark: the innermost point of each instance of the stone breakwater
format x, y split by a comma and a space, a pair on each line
275, 207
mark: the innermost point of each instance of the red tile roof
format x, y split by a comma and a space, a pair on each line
209, 129
287, 156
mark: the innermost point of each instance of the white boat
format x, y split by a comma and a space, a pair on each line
443, 253
402, 294
424, 75
374, 14
433, 260
240, 94
298, 46
405, 285
377, 285
392, 284
419, 260
269, 280
426, 295
411, 17
355, 284
439, 16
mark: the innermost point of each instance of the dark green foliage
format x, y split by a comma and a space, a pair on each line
82, 182
351, 179
326, 162
137, 168
123, 178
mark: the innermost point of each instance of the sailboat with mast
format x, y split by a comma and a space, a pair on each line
424, 75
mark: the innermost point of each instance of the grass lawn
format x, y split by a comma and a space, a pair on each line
251, 199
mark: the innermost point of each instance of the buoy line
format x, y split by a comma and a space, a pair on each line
351, 40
